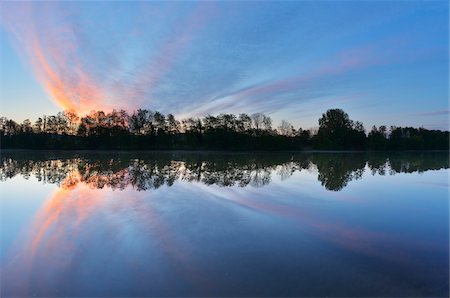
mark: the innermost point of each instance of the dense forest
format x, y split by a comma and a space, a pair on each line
145, 129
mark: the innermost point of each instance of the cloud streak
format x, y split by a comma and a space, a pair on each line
59, 48
434, 113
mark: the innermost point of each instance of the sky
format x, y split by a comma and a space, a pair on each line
383, 62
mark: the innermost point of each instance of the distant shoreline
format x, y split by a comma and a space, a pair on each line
145, 130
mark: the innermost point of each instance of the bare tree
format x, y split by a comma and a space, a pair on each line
73, 121
38, 125
286, 129
267, 122
244, 122
25, 126
160, 122
173, 125
257, 120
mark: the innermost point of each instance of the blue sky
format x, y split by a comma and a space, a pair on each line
382, 62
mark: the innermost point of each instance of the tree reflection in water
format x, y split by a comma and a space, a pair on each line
189, 242
144, 171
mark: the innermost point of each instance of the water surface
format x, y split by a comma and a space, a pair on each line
208, 224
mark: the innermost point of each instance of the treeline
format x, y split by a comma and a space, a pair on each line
145, 129
150, 171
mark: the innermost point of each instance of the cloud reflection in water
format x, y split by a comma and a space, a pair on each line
170, 225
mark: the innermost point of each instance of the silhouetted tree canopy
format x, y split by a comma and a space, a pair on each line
337, 131
146, 129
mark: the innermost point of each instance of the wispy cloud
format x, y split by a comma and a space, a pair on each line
197, 58
270, 95
67, 59
434, 113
